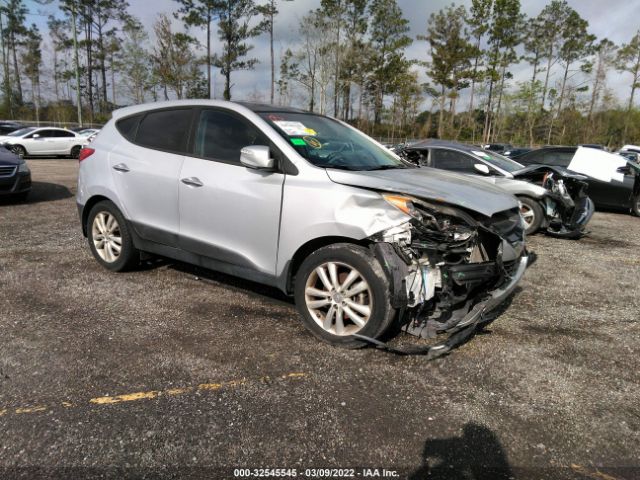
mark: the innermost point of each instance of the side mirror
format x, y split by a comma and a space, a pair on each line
482, 168
626, 169
36, 135
257, 157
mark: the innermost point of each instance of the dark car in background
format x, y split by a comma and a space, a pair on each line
8, 127
15, 176
497, 147
613, 195
515, 152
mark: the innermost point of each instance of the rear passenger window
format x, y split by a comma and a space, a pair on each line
452, 160
127, 127
166, 130
63, 134
221, 136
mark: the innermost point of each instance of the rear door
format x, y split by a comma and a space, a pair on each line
63, 142
229, 212
146, 168
453, 161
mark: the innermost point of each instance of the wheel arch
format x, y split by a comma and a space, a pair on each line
89, 205
19, 145
544, 221
307, 249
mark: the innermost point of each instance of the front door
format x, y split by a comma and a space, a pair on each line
229, 212
41, 142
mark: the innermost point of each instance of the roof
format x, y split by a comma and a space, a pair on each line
255, 107
265, 107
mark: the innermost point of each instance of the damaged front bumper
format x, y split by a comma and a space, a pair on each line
445, 279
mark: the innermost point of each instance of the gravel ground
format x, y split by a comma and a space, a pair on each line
174, 372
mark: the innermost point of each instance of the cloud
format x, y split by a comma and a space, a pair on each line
616, 21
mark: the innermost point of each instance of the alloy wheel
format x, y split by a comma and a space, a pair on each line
338, 298
106, 236
528, 215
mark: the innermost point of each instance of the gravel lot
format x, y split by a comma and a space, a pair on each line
175, 372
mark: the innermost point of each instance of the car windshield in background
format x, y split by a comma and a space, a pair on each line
499, 161
22, 131
328, 144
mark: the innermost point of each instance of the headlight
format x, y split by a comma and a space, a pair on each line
23, 168
404, 204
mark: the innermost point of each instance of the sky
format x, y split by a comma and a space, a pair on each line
613, 19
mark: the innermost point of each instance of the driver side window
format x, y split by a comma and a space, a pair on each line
221, 135
452, 160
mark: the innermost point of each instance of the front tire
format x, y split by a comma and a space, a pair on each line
19, 150
109, 238
532, 214
341, 290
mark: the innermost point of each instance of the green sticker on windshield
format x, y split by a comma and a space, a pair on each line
298, 142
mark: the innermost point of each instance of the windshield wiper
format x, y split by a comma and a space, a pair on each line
342, 167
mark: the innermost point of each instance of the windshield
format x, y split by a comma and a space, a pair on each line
327, 143
22, 131
499, 161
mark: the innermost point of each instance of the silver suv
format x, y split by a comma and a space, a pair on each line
305, 203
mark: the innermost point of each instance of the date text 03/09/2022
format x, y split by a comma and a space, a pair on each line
315, 473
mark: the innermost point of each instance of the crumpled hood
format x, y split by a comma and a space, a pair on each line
563, 172
432, 184
9, 158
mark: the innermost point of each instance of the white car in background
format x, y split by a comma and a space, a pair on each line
44, 141
88, 132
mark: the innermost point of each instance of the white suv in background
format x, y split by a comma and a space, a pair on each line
44, 141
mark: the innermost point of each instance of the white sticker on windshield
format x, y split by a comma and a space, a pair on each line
294, 128
482, 155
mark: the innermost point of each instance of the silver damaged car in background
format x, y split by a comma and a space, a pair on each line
308, 204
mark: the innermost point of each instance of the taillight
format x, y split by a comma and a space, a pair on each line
85, 153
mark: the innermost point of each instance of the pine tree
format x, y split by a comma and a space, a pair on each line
234, 30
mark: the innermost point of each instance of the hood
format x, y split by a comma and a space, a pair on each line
431, 184
9, 158
515, 187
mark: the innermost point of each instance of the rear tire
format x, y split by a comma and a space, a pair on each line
109, 238
532, 213
340, 290
75, 152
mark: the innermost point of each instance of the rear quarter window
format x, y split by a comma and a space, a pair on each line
166, 130
128, 126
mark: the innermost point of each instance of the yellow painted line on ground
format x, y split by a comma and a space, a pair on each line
595, 474
30, 409
130, 397
137, 396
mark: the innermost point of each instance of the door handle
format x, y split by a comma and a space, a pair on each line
121, 167
192, 182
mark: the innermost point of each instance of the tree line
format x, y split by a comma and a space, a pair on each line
349, 60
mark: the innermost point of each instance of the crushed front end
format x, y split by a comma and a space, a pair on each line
449, 269
568, 209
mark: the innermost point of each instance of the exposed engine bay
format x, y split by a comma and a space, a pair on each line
448, 269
